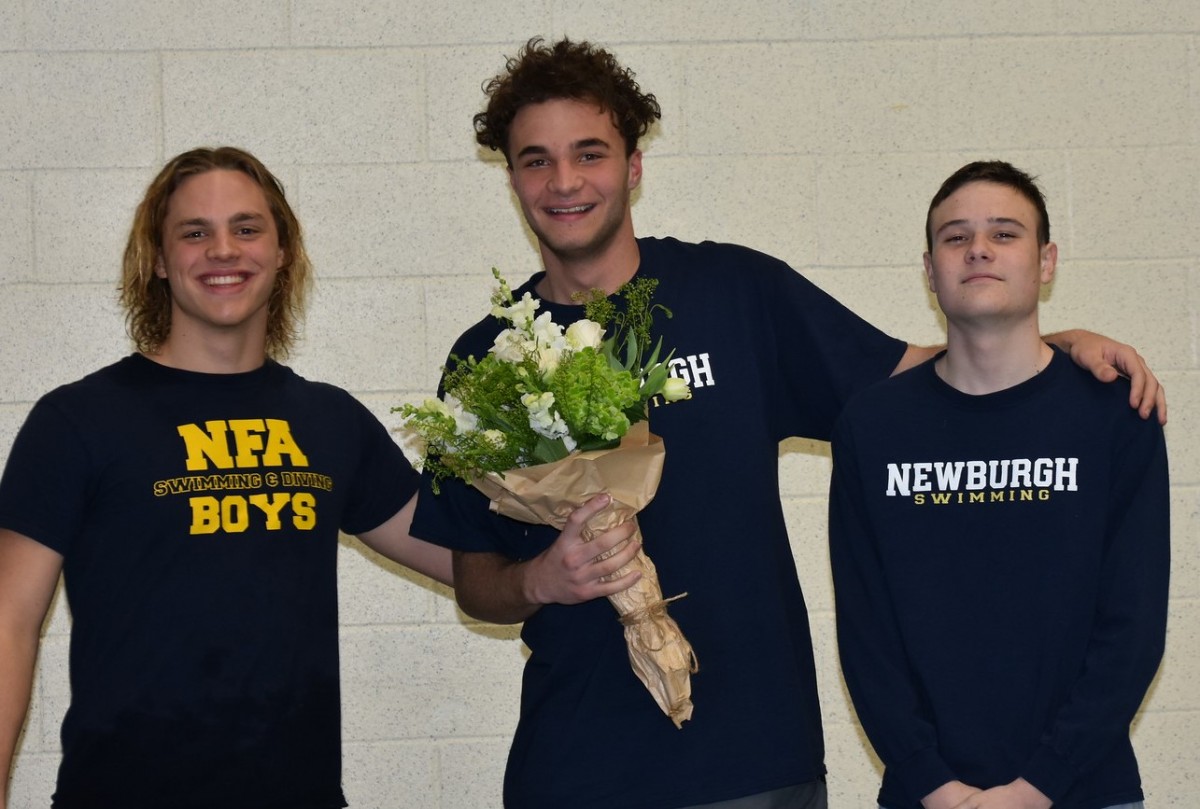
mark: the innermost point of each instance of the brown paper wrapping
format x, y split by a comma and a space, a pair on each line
660, 655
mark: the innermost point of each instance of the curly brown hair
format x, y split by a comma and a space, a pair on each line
147, 298
574, 70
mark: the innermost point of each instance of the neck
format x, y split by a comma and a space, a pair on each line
232, 355
567, 275
980, 360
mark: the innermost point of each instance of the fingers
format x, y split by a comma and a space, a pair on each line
614, 549
581, 515
574, 569
608, 587
605, 544
1160, 404
1147, 395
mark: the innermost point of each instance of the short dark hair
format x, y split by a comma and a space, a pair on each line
578, 71
1000, 173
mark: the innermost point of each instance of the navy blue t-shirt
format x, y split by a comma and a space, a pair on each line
768, 355
198, 517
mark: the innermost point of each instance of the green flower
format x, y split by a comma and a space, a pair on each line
542, 392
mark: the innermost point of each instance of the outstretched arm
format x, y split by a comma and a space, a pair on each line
28, 575
393, 540
492, 587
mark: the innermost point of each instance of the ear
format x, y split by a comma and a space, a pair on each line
635, 169
928, 259
160, 269
1049, 261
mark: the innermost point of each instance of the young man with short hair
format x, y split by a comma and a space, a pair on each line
999, 530
191, 495
768, 356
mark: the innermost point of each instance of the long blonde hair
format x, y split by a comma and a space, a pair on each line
147, 298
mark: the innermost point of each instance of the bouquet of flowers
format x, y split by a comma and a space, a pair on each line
551, 417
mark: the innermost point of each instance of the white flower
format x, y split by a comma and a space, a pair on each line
510, 346
464, 422
584, 334
519, 313
675, 389
547, 333
548, 359
435, 407
542, 417
495, 437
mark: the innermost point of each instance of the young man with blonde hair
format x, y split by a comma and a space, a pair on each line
191, 495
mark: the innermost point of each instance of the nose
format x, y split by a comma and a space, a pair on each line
979, 248
565, 179
223, 246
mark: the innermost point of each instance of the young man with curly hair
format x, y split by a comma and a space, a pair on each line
767, 356
1000, 537
191, 495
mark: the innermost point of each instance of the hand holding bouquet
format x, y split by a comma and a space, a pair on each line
543, 422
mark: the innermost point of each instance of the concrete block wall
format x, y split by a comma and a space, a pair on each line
812, 129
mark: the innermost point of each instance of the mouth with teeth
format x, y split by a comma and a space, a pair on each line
574, 209
229, 279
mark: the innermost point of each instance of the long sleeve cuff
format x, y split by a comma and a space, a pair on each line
1050, 773
921, 773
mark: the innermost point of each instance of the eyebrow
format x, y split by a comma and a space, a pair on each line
237, 218
992, 220
576, 146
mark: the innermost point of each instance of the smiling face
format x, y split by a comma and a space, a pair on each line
573, 180
986, 264
220, 256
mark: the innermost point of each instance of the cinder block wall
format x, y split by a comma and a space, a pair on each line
815, 130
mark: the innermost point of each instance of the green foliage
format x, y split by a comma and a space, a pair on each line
592, 397
542, 392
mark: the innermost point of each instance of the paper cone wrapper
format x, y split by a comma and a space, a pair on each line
660, 655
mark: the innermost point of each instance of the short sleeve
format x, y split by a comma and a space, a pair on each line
826, 353
384, 480
48, 479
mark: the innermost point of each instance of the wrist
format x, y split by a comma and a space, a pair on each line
527, 582
1031, 796
948, 795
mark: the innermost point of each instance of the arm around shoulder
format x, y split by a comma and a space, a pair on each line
1106, 359
28, 575
914, 356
